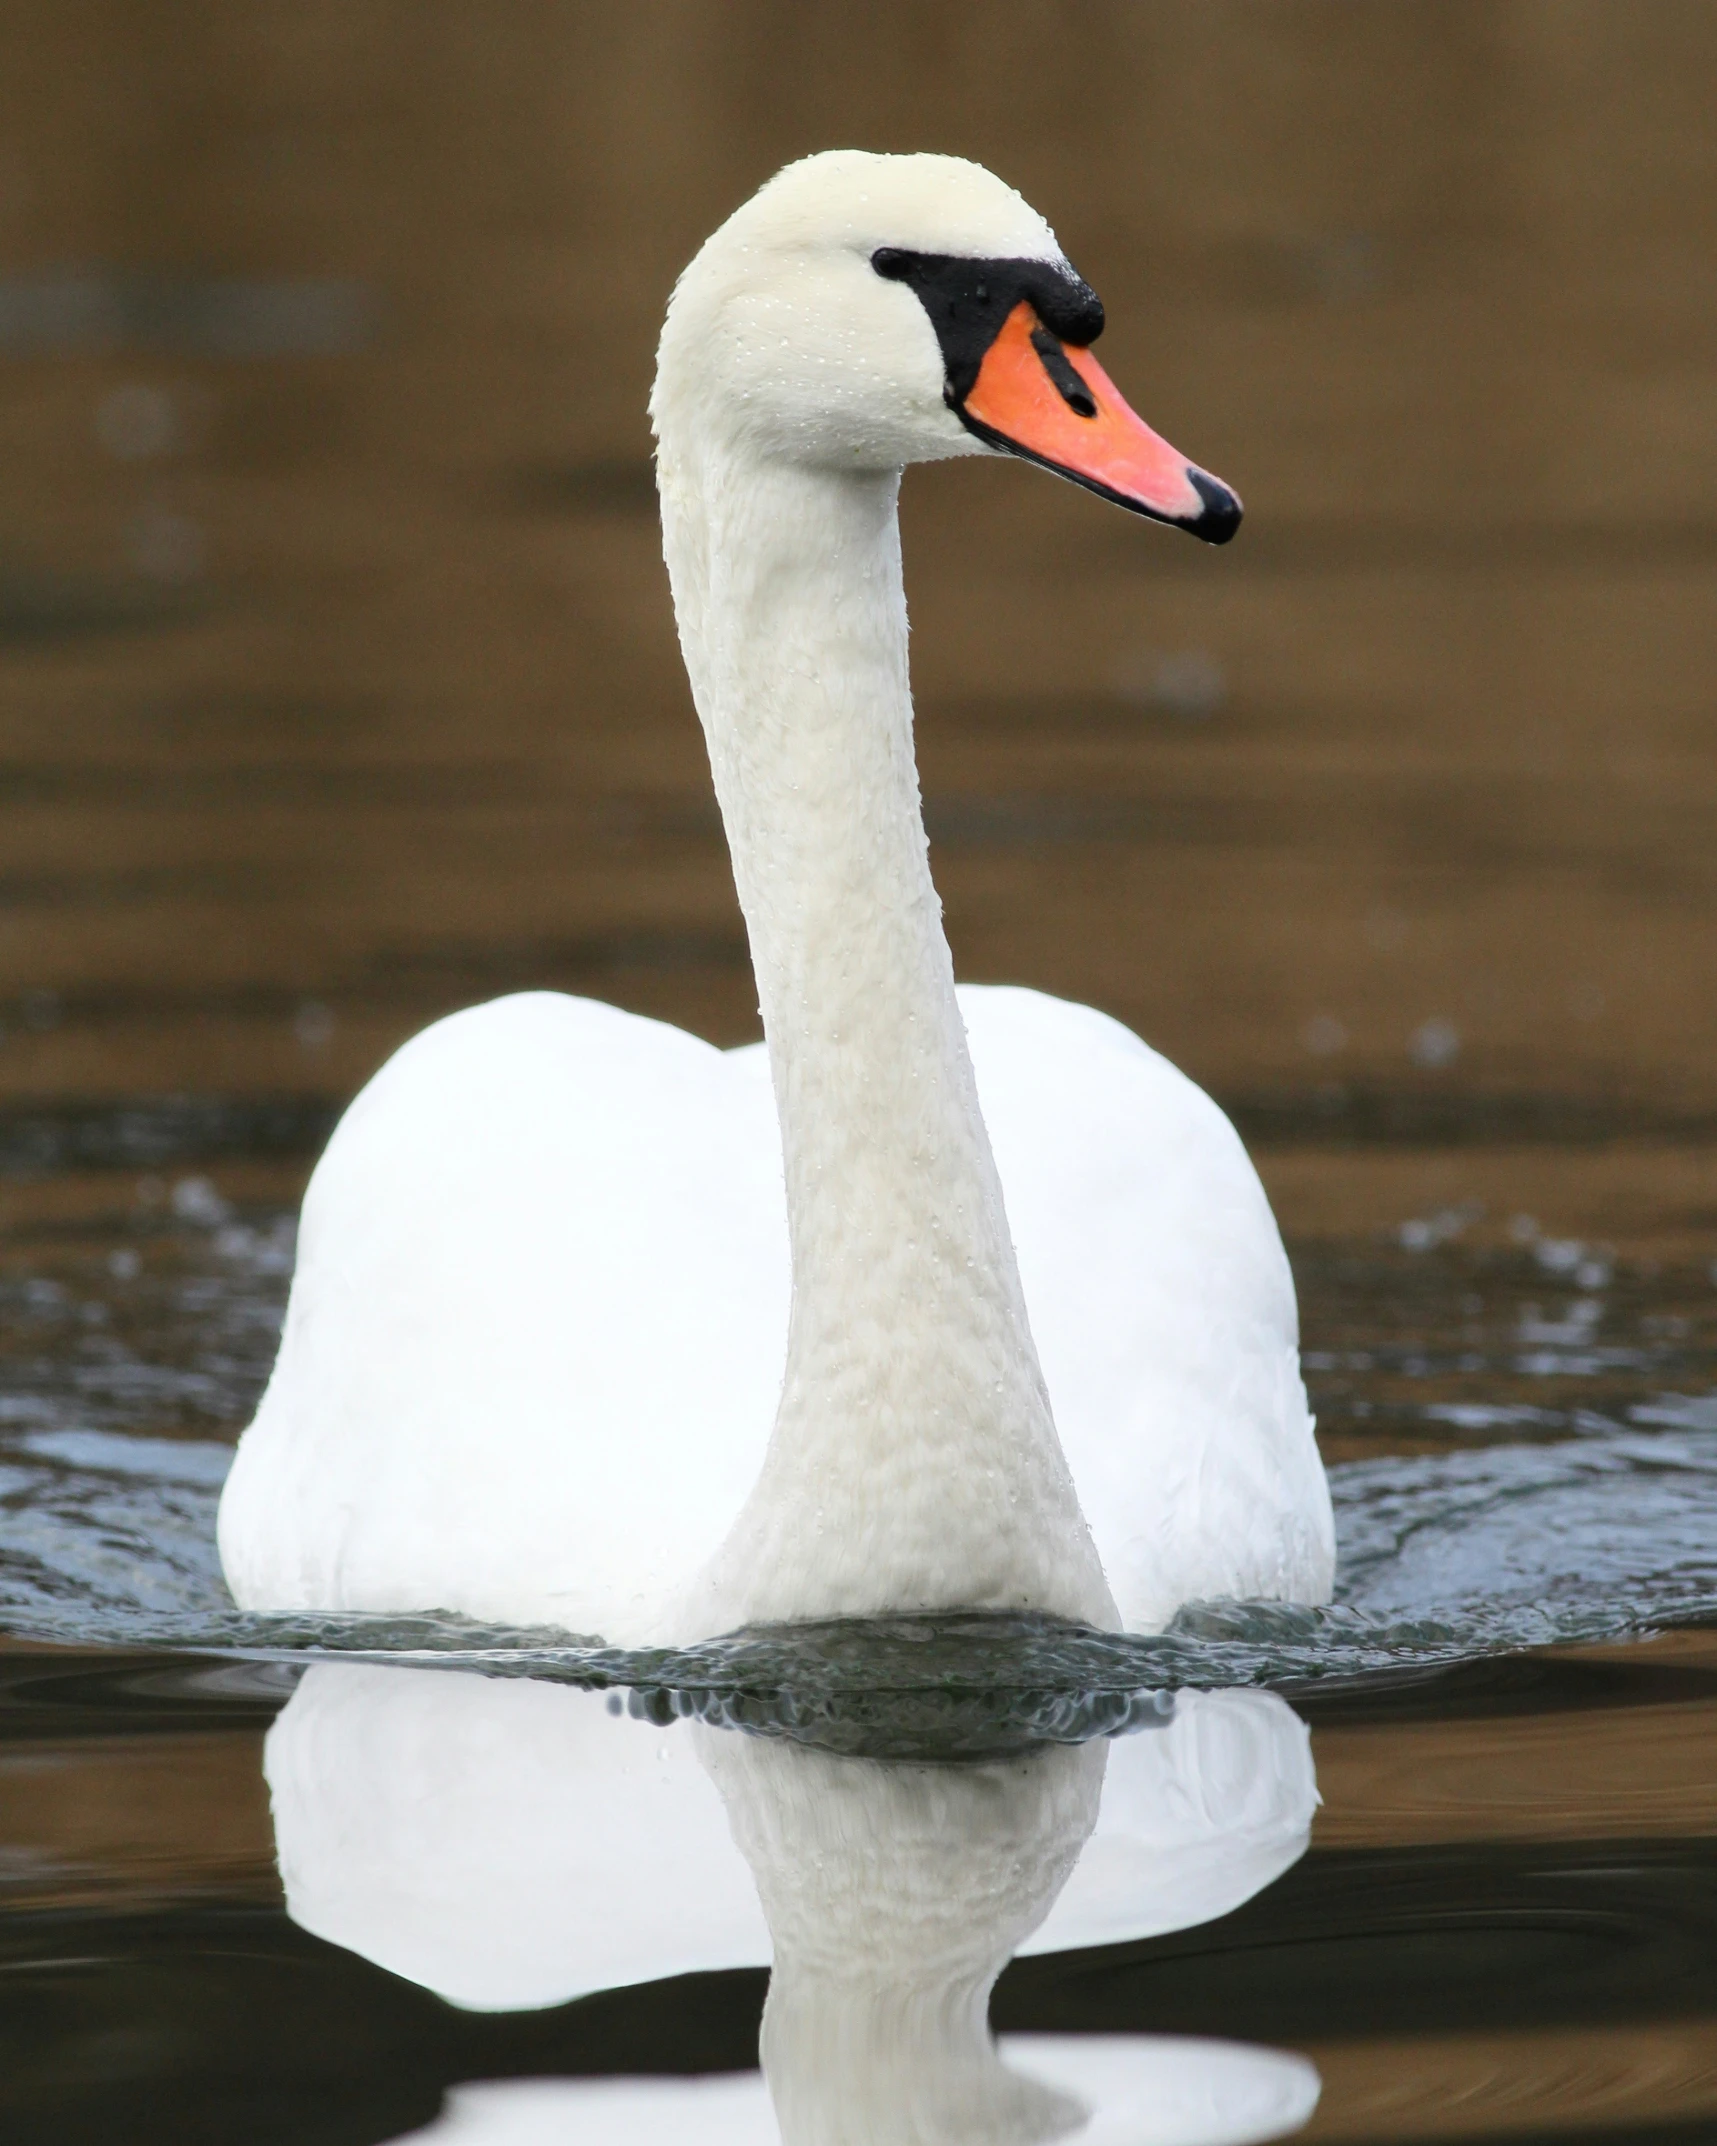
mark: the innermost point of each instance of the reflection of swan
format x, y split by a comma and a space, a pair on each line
894, 1895
509, 1843
1197, 1817
516, 1844
1141, 2090
538, 1326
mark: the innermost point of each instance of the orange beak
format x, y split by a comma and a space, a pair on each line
1053, 403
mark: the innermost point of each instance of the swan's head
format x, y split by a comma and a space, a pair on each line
864, 312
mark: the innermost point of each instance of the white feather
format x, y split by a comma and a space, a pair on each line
543, 1359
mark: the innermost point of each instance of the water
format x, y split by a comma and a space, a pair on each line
110, 1541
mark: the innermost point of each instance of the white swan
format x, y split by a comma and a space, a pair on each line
542, 1308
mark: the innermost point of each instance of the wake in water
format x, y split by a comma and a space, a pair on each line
107, 1537
109, 1540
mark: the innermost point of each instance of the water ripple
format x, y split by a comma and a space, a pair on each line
110, 1541
1572, 1495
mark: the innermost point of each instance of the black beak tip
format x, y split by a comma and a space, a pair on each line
1222, 511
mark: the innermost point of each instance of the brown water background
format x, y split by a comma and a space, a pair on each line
340, 683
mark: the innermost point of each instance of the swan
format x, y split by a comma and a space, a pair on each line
596, 1327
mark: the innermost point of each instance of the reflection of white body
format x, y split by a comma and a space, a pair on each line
540, 1324
1197, 1817
509, 1843
506, 1843
512, 1844
1142, 2090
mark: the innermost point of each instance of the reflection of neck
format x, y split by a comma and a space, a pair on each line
910, 1361
895, 1895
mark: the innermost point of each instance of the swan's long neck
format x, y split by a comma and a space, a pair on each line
914, 1461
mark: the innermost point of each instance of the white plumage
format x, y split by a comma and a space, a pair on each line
594, 1325
537, 1330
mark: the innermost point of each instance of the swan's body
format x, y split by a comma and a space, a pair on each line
592, 1356
542, 1318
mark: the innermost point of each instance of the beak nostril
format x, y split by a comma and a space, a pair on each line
1071, 388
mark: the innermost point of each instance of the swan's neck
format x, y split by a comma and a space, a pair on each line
914, 1462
